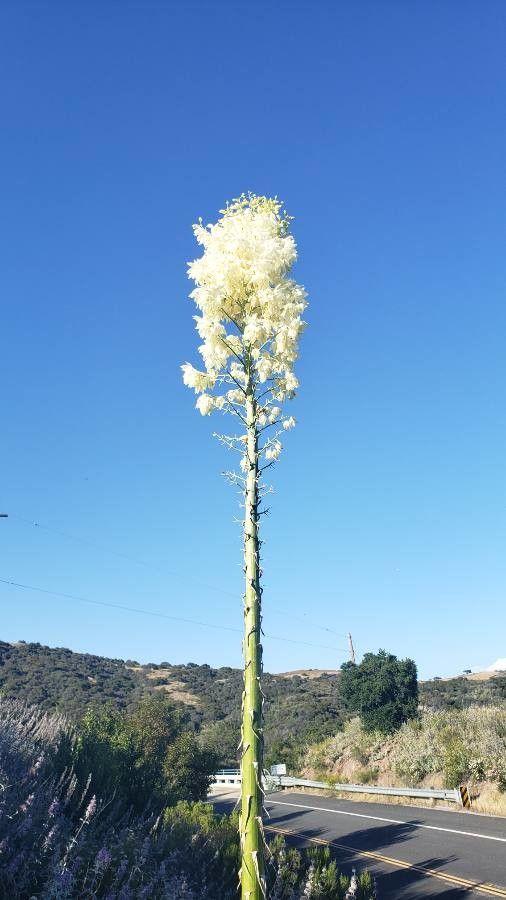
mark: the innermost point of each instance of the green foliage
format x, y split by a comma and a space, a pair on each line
185, 822
188, 768
286, 751
367, 775
144, 757
298, 711
460, 693
383, 690
58, 679
222, 739
456, 764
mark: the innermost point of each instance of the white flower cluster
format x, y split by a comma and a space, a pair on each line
250, 313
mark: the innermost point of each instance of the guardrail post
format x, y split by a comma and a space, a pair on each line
464, 796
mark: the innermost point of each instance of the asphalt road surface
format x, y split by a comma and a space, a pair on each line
413, 852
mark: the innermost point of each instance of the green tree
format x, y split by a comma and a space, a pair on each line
221, 738
383, 690
188, 768
144, 758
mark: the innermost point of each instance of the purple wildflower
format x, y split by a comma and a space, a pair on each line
54, 808
48, 840
102, 860
27, 803
25, 825
90, 809
65, 880
121, 870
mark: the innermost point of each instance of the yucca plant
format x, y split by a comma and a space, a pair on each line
250, 321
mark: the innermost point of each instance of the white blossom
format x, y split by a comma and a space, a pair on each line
205, 404
200, 381
273, 450
236, 396
353, 888
250, 313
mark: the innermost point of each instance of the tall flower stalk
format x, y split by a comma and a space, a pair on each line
250, 321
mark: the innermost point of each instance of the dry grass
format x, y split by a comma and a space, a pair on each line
177, 690
309, 673
441, 749
486, 798
489, 801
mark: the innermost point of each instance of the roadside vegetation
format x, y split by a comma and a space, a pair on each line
301, 710
393, 740
313, 724
442, 749
114, 809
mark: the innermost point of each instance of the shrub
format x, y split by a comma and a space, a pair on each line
188, 769
383, 690
367, 775
145, 757
59, 840
466, 744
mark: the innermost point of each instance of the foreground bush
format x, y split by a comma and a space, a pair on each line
60, 840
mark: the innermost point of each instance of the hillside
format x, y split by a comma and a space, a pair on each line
439, 749
301, 707
463, 691
298, 710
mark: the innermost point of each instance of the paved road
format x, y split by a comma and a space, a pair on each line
414, 852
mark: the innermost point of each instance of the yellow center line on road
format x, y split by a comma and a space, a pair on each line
481, 887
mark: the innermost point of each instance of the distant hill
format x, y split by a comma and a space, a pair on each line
302, 707
297, 710
478, 689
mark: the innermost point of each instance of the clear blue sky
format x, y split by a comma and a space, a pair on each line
382, 126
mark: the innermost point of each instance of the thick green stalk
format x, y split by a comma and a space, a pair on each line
251, 830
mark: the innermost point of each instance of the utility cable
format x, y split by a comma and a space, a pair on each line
156, 614
159, 568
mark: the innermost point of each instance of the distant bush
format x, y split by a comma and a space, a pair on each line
382, 690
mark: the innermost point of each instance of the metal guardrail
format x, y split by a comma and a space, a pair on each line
453, 795
228, 776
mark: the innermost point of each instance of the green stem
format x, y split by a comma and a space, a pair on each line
250, 827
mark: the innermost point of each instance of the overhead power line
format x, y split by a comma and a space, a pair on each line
159, 568
158, 615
